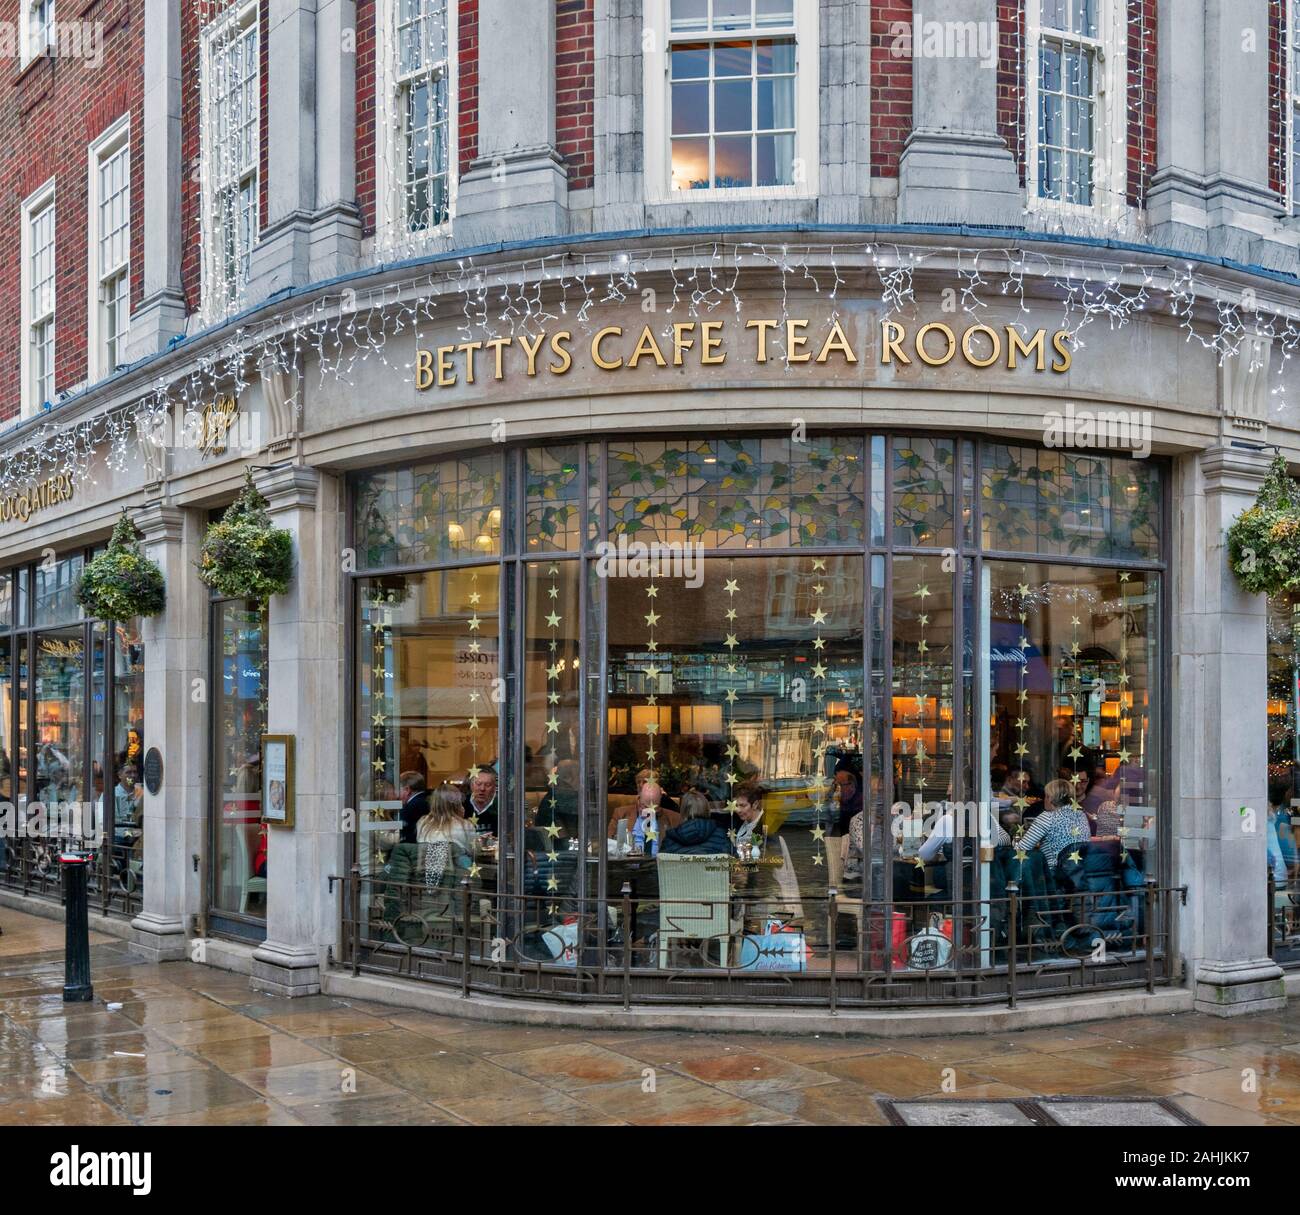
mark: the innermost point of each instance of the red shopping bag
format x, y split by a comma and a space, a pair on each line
897, 940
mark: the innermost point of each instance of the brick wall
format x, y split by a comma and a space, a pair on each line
575, 89
364, 148
1011, 79
1141, 98
891, 87
49, 115
1277, 101
467, 67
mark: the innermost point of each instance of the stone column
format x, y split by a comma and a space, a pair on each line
518, 186
1219, 762
955, 167
336, 225
174, 723
1240, 206
1176, 201
282, 257
306, 699
161, 314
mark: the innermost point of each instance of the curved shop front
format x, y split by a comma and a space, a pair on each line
768, 656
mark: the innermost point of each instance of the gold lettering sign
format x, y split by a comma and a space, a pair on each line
703, 344
20, 506
214, 426
59, 648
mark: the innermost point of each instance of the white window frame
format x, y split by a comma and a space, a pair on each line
115, 139
218, 292
1110, 155
28, 50
391, 222
1291, 100
36, 203
658, 139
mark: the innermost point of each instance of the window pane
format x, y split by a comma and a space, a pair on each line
733, 59
1073, 676
690, 164
553, 491
551, 724
56, 591
239, 714
775, 160
428, 651
128, 750
921, 710
737, 493
754, 677
60, 716
690, 109
776, 104
690, 61
923, 491
733, 161
732, 14
1284, 775
775, 12
732, 106
689, 15
775, 57
448, 510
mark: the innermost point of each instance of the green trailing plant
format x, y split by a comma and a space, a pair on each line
1264, 541
122, 582
243, 555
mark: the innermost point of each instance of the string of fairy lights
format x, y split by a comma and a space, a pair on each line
821, 722
555, 664
337, 332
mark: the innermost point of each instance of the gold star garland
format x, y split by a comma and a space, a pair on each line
475, 646
1021, 802
1078, 701
920, 755
820, 724
730, 588
380, 630
1125, 706
554, 668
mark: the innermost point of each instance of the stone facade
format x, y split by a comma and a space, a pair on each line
551, 137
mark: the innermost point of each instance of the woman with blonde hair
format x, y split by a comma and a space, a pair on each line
443, 849
1061, 824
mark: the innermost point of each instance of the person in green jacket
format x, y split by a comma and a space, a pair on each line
422, 877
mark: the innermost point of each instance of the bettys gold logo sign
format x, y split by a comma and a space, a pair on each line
23, 504
57, 647
706, 344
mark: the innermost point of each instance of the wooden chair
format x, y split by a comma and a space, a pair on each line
837, 852
695, 903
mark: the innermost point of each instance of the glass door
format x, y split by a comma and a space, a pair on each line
238, 854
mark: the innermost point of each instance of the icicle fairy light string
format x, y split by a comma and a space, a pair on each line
338, 332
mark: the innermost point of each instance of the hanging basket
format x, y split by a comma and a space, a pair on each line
243, 556
1264, 541
122, 582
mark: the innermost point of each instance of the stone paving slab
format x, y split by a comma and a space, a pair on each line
184, 1044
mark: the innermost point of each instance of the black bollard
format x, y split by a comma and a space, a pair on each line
76, 969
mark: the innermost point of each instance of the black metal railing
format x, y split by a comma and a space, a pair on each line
826, 951
115, 882
1284, 921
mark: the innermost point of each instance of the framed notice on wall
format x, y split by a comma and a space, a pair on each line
277, 779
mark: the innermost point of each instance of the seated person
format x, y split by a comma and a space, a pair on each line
126, 806
935, 849
480, 804
647, 818
848, 790
560, 803
415, 802
647, 774
442, 853
1061, 824
697, 834
749, 809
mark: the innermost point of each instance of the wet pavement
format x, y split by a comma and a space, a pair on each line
184, 1044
